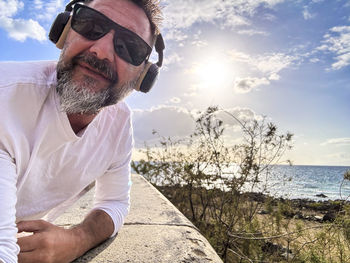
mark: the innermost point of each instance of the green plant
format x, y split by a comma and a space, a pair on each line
211, 181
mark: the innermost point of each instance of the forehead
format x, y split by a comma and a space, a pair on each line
126, 14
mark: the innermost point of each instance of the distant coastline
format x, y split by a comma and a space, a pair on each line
311, 182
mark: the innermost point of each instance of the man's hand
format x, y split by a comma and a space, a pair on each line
49, 243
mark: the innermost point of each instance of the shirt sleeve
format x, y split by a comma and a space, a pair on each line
112, 192
8, 230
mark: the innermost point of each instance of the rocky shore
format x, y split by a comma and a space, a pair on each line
307, 209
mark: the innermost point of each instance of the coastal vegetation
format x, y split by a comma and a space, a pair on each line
223, 188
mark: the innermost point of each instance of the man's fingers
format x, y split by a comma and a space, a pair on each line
27, 243
32, 226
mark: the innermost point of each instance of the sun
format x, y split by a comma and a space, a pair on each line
213, 72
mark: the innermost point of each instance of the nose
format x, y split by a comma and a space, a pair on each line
103, 48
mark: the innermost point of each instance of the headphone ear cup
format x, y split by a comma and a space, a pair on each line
148, 78
58, 26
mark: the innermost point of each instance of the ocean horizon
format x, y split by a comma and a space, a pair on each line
310, 181
315, 182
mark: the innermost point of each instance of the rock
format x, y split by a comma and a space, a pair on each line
258, 197
298, 215
310, 217
279, 249
288, 255
329, 217
271, 247
262, 212
321, 195
318, 218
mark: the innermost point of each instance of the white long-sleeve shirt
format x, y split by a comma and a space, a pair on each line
44, 165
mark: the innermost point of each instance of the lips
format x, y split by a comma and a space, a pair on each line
92, 71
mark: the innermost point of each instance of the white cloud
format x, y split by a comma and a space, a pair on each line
38, 4
274, 76
273, 63
176, 35
10, 7
314, 60
233, 20
269, 17
339, 29
337, 41
337, 141
19, 29
176, 122
192, 91
181, 14
306, 13
266, 63
173, 58
245, 85
175, 100
240, 56
252, 32
166, 120
190, 94
198, 41
47, 10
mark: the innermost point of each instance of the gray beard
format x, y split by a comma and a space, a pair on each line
76, 98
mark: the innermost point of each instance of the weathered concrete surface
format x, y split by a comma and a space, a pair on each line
154, 231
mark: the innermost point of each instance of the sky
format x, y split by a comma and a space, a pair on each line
288, 60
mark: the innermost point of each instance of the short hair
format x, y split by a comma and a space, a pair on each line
153, 12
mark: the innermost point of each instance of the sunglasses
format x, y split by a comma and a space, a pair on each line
93, 25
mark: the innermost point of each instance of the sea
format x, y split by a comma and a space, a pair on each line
305, 181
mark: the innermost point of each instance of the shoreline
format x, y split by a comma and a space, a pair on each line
320, 211
302, 208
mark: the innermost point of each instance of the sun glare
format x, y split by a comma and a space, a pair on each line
213, 72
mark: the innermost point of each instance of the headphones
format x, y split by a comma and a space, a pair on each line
148, 77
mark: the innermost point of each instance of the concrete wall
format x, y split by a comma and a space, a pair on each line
154, 231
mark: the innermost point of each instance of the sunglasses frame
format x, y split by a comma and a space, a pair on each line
117, 28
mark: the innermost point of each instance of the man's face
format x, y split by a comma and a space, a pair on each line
90, 74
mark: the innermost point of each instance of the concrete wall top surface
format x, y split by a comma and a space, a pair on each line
154, 231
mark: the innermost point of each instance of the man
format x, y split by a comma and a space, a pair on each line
63, 127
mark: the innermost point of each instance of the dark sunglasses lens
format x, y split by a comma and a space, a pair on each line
89, 23
130, 48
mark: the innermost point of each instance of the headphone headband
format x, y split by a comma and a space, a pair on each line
69, 6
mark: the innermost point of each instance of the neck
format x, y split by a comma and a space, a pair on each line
80, 121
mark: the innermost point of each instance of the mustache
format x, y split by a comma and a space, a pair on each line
103, 67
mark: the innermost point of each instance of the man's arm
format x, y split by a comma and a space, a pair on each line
50, 243
8, 180
112, 201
